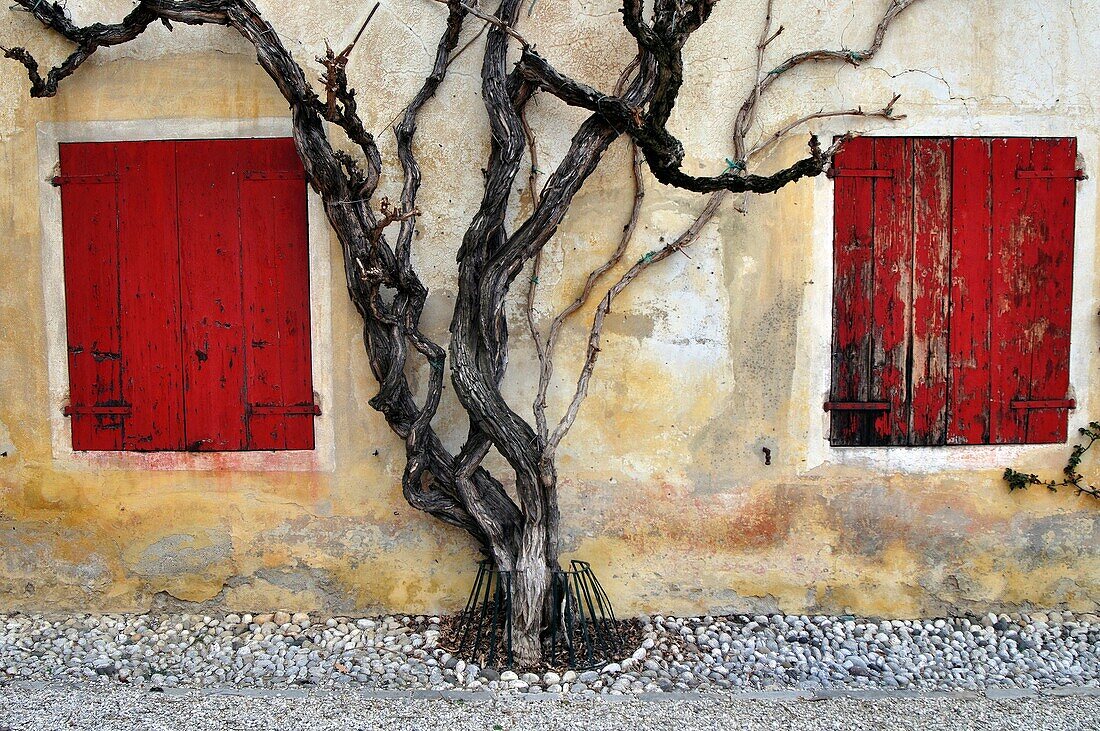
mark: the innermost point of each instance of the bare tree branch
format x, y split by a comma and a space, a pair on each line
536, 269
887, 113
87, 40
663, 153
594, 277
744, 119
507, 27
665, 41
845, 55
545, 349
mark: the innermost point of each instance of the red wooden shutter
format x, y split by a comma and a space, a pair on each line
89, 205
213, 318
853, 222
873, 292
276, 296
892, 290
971, 288
187, 293
961, 252
149, 284
122, 295
242, 213
931, 286
1032, 253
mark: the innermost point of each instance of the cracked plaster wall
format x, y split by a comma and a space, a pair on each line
716, 356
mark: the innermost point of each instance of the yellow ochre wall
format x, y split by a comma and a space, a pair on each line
706, 362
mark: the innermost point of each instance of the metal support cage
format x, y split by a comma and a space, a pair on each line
583, 632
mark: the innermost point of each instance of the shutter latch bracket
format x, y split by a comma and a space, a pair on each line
1032, 174
1033, 404
115, 410
289, 410
58, 180
859, 173
857, 406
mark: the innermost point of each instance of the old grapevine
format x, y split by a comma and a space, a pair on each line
519, 533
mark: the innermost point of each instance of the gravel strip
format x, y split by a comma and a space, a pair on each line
127, 708
1036, 651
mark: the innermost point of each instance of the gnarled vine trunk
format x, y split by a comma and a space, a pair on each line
521, 535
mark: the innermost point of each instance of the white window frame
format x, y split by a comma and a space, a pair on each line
50, 136
813, 361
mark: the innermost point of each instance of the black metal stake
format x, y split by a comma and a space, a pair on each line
583, 632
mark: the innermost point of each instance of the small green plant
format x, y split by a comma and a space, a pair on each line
1073, 478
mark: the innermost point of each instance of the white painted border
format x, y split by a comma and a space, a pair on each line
50, 135
815, 322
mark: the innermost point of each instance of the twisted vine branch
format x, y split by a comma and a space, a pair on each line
664, 40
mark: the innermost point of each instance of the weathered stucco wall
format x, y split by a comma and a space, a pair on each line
711, 359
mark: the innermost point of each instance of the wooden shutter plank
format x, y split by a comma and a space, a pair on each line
89, 223
213, 322
149, 293
931, 290
276, 295
971, 287
1014, 256
852, 281
261, 292
293, 252
891, 296
1051, 293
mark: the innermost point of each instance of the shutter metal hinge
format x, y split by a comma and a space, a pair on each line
1044, 404
860, 173
857, 406
123, 410
59, 180
273, 175
1074, 174
290, 410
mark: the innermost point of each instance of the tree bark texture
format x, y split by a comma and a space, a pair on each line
521, 535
